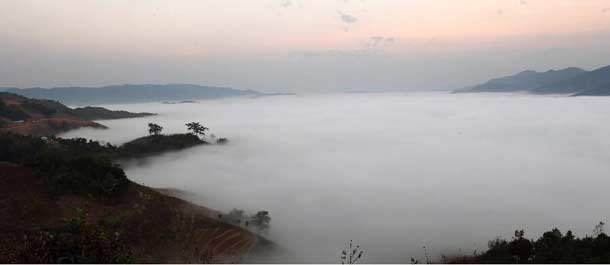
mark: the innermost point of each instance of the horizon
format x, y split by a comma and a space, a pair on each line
302, 92
296, 46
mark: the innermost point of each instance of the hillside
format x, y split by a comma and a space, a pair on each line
525, 81
63, 200
46, 117
130, 93
99, 113
594, 83
160, 143
145, 226
569, 81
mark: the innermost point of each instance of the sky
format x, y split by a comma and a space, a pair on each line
296, 45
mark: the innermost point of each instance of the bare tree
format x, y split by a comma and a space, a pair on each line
598, 229
352, 254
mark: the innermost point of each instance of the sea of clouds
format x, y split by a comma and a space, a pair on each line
394, 172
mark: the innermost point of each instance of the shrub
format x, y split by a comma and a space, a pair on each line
82, 175
75, 242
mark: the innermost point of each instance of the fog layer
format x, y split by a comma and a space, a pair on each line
393, 172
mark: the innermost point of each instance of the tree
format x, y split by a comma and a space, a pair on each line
521, 248
154, 129
552, 247
261, 221
196, 128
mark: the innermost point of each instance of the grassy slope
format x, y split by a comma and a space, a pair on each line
159, 228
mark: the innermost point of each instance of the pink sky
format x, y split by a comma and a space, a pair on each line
153, 31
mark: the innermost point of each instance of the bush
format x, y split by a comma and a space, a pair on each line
19, 149
74, 166
75, 242
83, 175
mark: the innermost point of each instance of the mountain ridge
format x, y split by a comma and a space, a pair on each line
129, 93
593, 83
571, 81
525, 81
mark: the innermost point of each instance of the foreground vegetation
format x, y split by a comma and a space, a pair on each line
76, 241
66, 166
552, 247
65, 201
81, 166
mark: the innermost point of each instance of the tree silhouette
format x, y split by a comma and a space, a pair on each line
154, 129
521, 248
196, 128
551, 248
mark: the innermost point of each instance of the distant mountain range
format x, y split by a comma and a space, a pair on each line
129, 93
570, 81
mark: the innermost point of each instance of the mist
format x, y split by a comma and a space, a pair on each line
394, 171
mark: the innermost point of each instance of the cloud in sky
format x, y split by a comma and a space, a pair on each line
347, 18
376, 41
